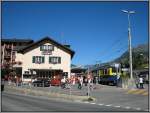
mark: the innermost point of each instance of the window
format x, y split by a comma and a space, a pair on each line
55, 60
113, 69
26, 72
38, 59
46, 48
26, 76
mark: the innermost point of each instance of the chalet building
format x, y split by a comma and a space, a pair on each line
45, 58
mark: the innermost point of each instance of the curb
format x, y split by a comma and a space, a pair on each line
34, 92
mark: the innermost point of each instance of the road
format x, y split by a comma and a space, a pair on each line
19, 102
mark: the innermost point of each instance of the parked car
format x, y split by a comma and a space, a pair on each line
55, 82
41, 83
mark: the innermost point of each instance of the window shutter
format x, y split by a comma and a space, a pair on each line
43, 59
59, 60
49, 59
52, 48
33, 59
41, 48
49, 47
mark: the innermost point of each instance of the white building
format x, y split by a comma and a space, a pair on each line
45, 58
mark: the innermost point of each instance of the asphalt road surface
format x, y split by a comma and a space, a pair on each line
19, 102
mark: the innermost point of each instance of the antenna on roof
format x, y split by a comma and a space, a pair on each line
61, 37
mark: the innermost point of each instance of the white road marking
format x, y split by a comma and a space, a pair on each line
86, 102
92, 103
117, 106
127, 107
138, 108
100, 104
108, 105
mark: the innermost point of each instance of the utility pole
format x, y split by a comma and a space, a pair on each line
129, 43
88, 84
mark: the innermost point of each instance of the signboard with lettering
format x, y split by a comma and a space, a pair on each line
46, 52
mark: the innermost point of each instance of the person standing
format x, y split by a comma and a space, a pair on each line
141, 82
79, 82
137, 82
63, 82
85, 81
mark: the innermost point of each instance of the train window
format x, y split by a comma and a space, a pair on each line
105, 71
113, 69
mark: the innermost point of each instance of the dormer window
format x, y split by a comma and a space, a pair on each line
47, 48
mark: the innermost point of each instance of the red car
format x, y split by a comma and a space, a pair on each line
55, 82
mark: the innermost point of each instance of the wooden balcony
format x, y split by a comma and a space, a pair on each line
7, 56
8, 47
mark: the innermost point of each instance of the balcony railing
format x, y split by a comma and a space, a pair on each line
7, 56
8, 47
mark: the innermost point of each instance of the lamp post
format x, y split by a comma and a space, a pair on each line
129, 40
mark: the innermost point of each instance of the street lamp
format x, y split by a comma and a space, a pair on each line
129, 41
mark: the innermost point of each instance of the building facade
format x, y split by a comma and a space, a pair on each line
45, 58
9, 48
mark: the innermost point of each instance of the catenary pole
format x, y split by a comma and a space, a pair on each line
129, 41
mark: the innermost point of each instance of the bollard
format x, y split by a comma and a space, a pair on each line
88, 90
70, 90
43, 83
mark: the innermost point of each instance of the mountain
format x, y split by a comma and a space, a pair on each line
73, 65
140, 57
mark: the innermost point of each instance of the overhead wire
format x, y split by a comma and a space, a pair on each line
116, 51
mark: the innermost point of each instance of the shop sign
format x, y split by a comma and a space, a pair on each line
34, 72
46, 52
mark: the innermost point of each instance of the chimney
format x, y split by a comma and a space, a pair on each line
68, 46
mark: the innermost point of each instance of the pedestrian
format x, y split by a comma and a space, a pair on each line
17, 81
79, 84
141, 82
137, 82
85, 81
81, 81
73, 81
63, 81
117, 80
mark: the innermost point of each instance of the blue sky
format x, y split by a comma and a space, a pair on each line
96, 31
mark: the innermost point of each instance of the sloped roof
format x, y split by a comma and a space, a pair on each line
47, 39
16, 40
17, 48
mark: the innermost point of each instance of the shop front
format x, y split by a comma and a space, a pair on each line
35, 74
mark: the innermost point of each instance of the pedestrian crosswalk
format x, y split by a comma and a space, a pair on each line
137, 92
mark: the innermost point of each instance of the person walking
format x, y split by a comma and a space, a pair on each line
73, 81
79, 83
137, 82
63, 82
141, 82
